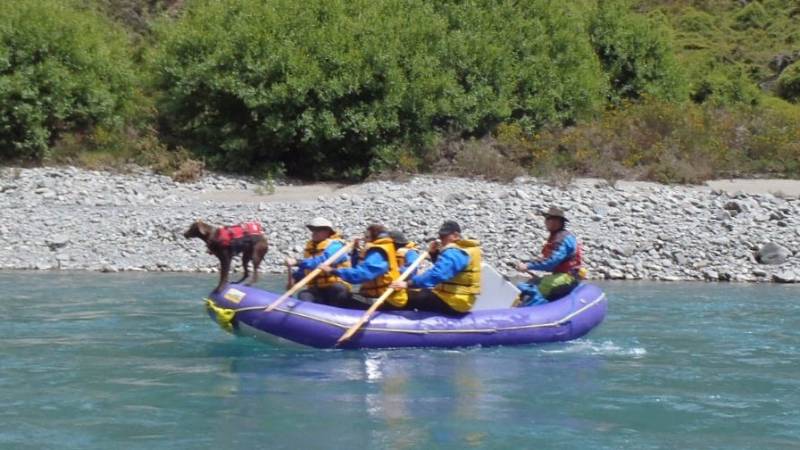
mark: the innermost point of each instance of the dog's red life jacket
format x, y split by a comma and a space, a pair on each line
227, 236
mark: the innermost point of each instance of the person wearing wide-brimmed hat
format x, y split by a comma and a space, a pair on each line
561, 255
454, 282
325, 288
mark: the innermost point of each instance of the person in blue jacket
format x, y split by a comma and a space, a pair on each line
375, 269
561, 255
324, 243
452, 285
407, 252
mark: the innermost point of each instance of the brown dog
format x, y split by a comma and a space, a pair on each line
226, 242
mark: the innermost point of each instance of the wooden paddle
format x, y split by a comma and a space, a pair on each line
290, 277
300, 284
352, 330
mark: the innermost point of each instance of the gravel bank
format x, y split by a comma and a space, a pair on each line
72, 219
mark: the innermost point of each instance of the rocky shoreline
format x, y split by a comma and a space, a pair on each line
66, 218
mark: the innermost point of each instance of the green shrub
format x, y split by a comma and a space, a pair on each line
528, 61
695, 21
316, 85
723, 85
636, 54
726, 46
753, 15
789, 83
62, 70
334, 88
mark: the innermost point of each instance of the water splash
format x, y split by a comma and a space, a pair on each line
589, 347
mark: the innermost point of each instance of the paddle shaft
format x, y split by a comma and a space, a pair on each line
352, 330
300, 284
290, 278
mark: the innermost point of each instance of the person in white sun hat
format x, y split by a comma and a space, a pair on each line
325, 288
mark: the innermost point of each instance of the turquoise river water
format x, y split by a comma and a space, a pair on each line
131, 361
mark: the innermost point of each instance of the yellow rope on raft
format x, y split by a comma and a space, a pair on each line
224, 316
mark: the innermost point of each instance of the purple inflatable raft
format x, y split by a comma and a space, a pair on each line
240, 309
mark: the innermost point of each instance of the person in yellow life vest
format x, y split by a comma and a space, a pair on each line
376, 268
325, 288
406, 251
454, 282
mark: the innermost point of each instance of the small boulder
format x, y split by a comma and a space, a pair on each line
679, 259
722, 215
781, 61
735, 206
626, 251
599, 210
57, 241
711, 275
615, 274
786, 276
772, 253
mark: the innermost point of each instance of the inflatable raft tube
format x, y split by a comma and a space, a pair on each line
240, 309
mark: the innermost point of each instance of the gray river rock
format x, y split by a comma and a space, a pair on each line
772, 253
72, 219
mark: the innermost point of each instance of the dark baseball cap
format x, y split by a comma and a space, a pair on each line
449, 227
398, 237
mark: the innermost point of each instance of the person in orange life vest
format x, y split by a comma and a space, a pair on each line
325, 288
406, 252
453, 283
561, 255
375, 268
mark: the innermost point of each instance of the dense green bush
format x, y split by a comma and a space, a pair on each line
723, 85
789, 83
313, 85
327, 87
695, 21
334, 87
728, 47
61, 70
531, 62
753, 15
342, 88
636, 53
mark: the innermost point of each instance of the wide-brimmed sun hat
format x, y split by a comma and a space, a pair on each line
319, 222
555, 212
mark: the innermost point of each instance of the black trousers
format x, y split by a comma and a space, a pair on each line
336, 294
426, 300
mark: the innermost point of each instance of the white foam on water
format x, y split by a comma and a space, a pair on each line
597, 348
